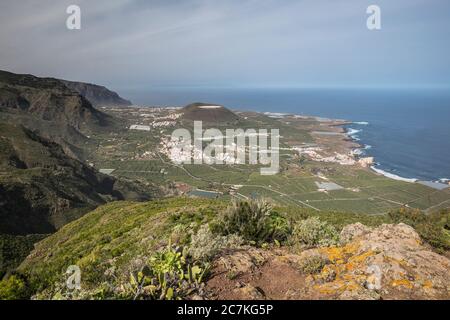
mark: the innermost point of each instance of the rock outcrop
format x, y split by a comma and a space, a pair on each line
41, 188
99, 96
44, 180
387, 262
48, 99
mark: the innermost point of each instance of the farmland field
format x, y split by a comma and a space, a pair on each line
136, 155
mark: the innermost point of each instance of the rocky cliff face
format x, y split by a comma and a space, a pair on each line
48, 100
44, 128
99, 96
41, 188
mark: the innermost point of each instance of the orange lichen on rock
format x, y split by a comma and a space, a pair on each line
339, 255
402, 282
339, 276
385, 262
380, 258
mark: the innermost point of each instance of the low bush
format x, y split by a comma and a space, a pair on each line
313, 264
205, 245
312, 233
254, 221
14, 249
280, 226
181, 234
14, 287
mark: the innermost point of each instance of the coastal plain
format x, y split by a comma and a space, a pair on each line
320, 167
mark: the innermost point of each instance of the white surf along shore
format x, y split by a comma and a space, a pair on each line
391, 175
353, 134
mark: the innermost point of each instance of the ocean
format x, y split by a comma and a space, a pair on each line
407, 131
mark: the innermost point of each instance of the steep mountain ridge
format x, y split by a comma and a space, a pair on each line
42, 188
99, 96
44, 131
48, 99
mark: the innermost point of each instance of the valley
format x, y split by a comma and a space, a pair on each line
94, 185
203, 153
312, 152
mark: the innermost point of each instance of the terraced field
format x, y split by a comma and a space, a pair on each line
363, 191
136, 155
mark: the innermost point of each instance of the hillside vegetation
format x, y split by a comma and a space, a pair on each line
45, 182
168, 249
42, 188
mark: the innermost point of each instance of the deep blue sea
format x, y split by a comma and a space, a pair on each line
407, 131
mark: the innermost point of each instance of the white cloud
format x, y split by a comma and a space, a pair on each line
135, 42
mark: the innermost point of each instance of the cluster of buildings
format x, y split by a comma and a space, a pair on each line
180, 152
343, 159
169, 120
147, 155
163, 124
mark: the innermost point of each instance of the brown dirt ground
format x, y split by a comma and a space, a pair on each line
274, 279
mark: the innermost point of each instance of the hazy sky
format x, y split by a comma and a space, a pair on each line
129, 44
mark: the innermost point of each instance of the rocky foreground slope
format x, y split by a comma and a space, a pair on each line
387, 262
184, 248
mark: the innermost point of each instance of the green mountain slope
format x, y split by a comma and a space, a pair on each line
119, 235
99, 96
45, 182
120, 239
49, 100
42, 188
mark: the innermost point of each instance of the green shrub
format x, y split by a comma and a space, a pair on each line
169, 275
447, 223
253, 221
312, 232
205, 244
170, 260
14, 249
181, 234
313, 264
14, 287
280, 226
338, 219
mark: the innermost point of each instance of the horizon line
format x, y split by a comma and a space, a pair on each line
279, 86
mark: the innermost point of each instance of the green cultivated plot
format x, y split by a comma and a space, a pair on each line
136, 155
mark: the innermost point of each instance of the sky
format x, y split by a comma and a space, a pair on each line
136, 44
